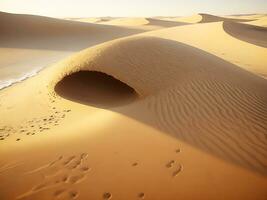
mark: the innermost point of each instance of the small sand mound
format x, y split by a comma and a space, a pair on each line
95, 88
249, 33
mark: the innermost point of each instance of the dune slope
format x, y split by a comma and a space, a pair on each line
165, 114
249, 33
28, 31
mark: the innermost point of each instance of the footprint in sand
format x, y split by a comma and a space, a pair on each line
63, 172
107, 195
177, 170
175, 167
170, 164
141, 195
178, 150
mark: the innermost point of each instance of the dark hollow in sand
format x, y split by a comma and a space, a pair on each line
95, 89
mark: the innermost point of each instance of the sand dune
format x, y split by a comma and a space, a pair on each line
207, 18
144, 23
148, 116
262, 21
238, 53
251, 17
26, 31
249, 33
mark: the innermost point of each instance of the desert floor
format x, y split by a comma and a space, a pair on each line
162, 108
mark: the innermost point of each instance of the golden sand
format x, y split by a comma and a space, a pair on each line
179, 112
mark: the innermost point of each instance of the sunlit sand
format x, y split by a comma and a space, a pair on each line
159, 108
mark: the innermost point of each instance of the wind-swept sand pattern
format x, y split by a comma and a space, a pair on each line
165, 114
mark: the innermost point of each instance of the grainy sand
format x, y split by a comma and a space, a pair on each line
154, 108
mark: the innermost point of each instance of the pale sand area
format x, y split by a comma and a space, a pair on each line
174, 113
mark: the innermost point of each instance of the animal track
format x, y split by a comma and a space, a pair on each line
61, 172
36, 125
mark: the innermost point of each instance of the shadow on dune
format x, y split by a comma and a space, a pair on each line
205, 101
95, 88
37, 32
248, 33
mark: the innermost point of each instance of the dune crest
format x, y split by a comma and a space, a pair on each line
248, 33
206, 18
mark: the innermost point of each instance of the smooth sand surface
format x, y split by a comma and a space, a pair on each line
174, 113
30, 43
262, 21
143, 23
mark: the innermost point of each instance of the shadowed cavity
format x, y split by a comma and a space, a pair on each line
96, 89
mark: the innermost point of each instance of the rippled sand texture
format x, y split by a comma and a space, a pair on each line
176, 110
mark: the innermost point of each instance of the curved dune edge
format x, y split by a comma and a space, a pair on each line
207, 18
238, 53
248, 33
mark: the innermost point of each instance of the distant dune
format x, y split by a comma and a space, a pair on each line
26, 31
172, 108
30, 43
145, 23
206, 18
259, 22
249, 33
